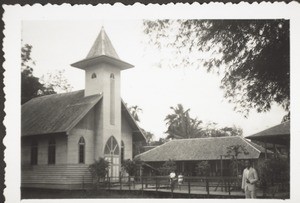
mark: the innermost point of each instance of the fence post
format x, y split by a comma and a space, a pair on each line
156, 185
189, 187
229, 186
129, 182
120, 178
83, 182
108, 183
142, 186
207, 185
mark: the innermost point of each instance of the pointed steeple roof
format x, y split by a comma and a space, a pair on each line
102, 51
102, 46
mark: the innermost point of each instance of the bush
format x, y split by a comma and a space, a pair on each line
167, 167
131, 166
99, 169
202, 168
274, 171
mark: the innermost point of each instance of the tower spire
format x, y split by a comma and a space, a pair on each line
102, 46
102, 51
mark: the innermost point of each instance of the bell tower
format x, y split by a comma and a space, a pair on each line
103, 68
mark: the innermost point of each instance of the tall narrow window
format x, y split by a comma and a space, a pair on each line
112, 99
81, 144
34, 153
122, 151
51, 151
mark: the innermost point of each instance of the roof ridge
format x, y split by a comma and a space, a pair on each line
196, 138
153, 148
250, 144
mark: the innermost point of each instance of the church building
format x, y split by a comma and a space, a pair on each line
62, 134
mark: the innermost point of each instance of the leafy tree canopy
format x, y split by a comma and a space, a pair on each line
131, 166
251, 55
32, 86
181, 125
168, 167
134, 111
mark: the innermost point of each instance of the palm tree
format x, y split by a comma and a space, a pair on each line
180, 125
134, 110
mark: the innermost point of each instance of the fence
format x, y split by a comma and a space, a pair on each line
190, 185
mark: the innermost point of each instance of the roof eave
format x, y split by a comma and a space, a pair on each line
83, 64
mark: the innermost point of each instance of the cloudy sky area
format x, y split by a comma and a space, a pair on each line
57, 44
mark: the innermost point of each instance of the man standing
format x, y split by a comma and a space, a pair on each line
248, 180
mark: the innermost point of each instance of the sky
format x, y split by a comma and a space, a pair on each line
57, 44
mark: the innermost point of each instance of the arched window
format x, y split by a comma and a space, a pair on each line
51, 151
81, 145
122, 151
112, 99
94, 75
111, 147
34, 153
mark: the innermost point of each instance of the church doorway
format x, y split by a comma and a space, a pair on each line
112, 154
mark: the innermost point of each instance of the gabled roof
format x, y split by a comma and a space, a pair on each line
279, 134
59, 113
281, 129
102, 46
55, 113
200, 149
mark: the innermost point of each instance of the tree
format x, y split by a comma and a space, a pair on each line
131, 166
32, 86
286, 117
148, 135
202, 168
181, 125
234, 151
99, 169
210, 129
273, 171
134, 110
56, 81
168, 167
252, 56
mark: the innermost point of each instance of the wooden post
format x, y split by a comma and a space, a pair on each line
156, 185
108, 183
120, 178
129, 182
83, 182
142, 186
189, 187
229, 186
222, 173
207, 185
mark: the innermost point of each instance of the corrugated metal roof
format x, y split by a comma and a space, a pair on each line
200, 149
61, 112
282, 129
102, 51
102, 46
55, 113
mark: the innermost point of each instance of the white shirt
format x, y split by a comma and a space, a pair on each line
172, 175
